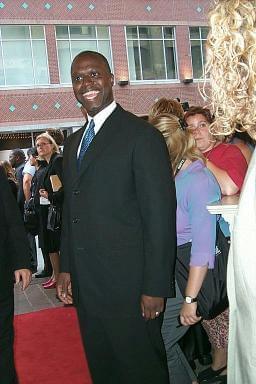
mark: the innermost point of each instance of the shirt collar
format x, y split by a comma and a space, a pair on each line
102, 116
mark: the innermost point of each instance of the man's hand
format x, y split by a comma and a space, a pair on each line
64, 290
151, 307
43, 193
188, 314
23, 276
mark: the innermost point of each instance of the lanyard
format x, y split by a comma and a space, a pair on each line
180, 166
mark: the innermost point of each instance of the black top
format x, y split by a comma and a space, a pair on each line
37, 182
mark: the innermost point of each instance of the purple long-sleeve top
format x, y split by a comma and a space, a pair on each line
196, 187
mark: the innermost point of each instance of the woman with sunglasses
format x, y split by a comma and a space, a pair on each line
48, 150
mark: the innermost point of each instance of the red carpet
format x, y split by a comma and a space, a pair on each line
48, 348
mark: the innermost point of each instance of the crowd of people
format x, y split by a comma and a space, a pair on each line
112, 212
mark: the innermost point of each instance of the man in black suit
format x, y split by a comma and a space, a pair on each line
119, 232
14, 257
17, 159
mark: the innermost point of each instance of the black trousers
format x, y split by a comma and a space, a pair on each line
7, 369
33, 251
124, 350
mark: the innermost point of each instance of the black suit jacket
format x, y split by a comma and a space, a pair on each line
20, 194
14, 249
119, 226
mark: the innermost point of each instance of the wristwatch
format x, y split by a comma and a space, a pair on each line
190, 300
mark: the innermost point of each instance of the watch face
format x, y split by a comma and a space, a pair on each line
188, 300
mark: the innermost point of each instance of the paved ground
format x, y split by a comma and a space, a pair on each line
35, 298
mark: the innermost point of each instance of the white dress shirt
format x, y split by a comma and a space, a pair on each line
99, 120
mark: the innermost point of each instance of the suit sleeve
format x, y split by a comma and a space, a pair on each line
17, 242
157, 202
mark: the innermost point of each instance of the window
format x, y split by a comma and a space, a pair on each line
198, 36
151, 53
72, 39
23, 56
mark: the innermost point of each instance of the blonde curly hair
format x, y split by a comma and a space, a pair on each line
231, 65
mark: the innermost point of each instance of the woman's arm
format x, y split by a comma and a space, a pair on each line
203, 189
188, 315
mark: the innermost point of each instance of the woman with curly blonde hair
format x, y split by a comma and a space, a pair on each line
232, 68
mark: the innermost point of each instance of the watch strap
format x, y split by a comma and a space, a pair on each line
190, 300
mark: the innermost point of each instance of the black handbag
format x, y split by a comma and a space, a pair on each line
212, 297
54, 218
31, 217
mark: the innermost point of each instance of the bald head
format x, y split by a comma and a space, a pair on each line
92, 81
94, 53
17, 157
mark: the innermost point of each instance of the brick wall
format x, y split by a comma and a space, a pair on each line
152, 11
56, 104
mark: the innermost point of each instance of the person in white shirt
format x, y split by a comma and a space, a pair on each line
28, 173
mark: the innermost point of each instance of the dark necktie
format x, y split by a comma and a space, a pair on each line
87, 139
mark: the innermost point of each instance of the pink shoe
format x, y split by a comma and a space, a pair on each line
51, 285
47, 282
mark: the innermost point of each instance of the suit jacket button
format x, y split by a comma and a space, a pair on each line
76, 193
75, 220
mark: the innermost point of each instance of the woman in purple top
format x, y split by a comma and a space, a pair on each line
196, 187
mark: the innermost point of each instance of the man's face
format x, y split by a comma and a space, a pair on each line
92, 83
12, 159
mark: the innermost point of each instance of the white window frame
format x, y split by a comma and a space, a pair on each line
26, 86
69, 40
160, 81
200, 39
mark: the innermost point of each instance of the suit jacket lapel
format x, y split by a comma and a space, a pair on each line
102, 140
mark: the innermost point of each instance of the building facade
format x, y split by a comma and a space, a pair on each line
156, 48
